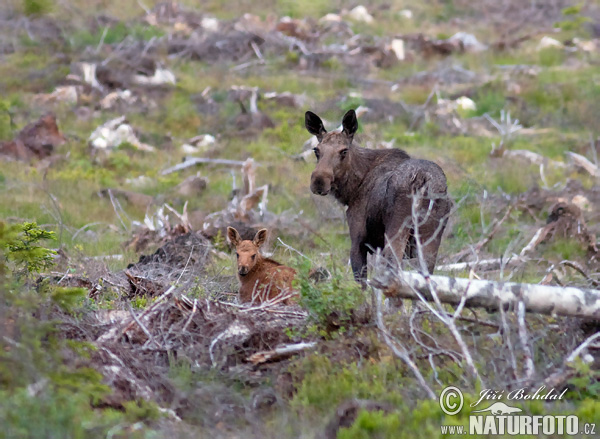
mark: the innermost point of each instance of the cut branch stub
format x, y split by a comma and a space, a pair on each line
568, 301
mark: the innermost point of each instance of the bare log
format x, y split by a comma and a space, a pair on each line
280, 352
194, 161
542, 299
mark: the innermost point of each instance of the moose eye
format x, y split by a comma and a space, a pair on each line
343, 152
237, 255
253, 257
317, 153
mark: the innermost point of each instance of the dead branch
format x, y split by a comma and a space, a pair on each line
194, 161
581, 162
280, 352
529, 367
477, 247
573, 356
569, 301
397, 348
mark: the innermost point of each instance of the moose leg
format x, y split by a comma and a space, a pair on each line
358, 260
430, 238
396, 246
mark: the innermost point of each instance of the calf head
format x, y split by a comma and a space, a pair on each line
332, 152
246, 251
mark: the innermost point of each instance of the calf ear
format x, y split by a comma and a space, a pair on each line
260, 238
314, 125
234, 236
349, 124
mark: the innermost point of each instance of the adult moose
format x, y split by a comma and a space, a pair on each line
378, 187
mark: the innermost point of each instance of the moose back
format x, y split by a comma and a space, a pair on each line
379, 188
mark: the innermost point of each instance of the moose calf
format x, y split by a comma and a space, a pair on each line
379, 188
261, 278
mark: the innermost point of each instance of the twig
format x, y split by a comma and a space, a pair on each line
573, 355
289, 247
495, 228
151, 308
397, 348
87, 226
581, 270
529, 367
144, 7
256, 51
101, 43
141, 325
506, 332
117, 206
194, 309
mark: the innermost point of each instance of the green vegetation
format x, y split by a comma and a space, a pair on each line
55, 221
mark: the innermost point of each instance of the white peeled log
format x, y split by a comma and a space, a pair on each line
542, 299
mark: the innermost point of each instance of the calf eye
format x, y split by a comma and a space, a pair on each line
237, 255
253, 257
343, 152
317, 153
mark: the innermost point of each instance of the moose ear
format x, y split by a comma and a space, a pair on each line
234, 236
349, 124
314, 125
260, 238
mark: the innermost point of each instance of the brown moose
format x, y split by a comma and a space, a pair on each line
378, 187
261, 278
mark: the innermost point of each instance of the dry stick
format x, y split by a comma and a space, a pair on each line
198, 161
194, 308
256, 51
529, 368
144, 7
506, 328
494, 264
116, 206
495, 228
101, 43
277, 353
450, 323
87, 226
273, 311
141, 325
397, 348
150, 309
289, 247
581, 270
581, 347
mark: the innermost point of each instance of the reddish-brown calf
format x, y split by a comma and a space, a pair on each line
261, 278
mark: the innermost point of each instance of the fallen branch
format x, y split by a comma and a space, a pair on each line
280, 352
194, 161
581, 162
569, 301
483, 265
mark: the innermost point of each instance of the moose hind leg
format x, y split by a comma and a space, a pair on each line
396, 246
358, 261
430, 238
